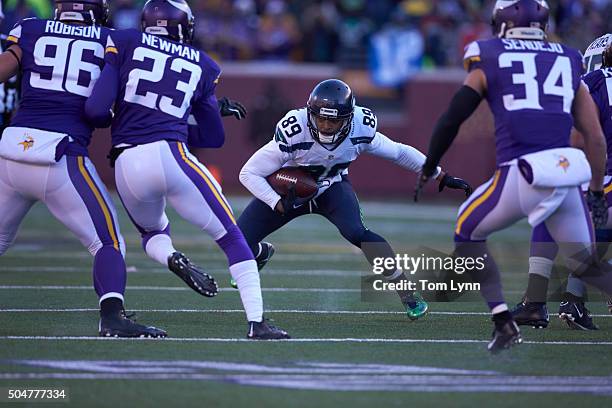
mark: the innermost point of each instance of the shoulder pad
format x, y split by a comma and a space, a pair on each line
472, 56
365, 124
292, 128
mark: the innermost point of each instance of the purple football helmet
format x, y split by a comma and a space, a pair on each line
169, 18
82, 11
520, 18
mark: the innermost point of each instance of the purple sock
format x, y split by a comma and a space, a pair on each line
109, 273
235, 246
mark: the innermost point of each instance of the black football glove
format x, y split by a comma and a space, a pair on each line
291, 201
455, 183
228, 107
599, 208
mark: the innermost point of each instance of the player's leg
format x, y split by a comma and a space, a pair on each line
532, 310
76, 197
142, 187
13, 205
339, 204
258, 220
492, 207
571, 227
197, 197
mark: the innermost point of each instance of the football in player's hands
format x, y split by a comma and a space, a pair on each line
304, 184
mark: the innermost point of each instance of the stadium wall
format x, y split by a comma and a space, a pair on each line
269, 90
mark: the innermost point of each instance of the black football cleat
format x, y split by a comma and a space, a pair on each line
266, 250
531, 314
576, 316
265, 331
119, 325
504, 337
197, 280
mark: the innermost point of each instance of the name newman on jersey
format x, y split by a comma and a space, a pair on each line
293, 145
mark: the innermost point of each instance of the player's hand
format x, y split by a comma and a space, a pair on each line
599, 208
228, 107
454, 183
291, 201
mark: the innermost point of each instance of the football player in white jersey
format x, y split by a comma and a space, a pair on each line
324, 138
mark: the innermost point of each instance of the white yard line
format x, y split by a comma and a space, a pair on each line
291, 311
299, 340
172, 288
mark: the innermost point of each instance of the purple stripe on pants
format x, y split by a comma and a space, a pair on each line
202, 186
484, 208
93, 206
109, 274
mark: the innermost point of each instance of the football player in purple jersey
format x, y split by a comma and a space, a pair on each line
156, 79
43, 153
536, 94
532, 310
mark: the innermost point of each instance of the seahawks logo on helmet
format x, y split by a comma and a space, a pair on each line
330, 112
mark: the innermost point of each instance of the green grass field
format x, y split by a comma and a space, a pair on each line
345, 351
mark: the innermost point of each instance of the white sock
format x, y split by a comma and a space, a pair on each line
160, 248
540, 266
246, 276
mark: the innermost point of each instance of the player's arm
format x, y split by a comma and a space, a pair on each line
412, 159
99, 105
403, 155
208, 131
10, 62
587, 123
253, 174
464, 103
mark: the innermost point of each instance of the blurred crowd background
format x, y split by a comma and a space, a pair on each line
390, 38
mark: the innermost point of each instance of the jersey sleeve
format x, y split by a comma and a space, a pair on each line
288, 129
211, 74
264, 162
577, 67
111, 50
472, 58
364, 126
209, 130
15, 35
403, 155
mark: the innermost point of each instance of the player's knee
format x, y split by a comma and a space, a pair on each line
234, 246
358, 236
98, 244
